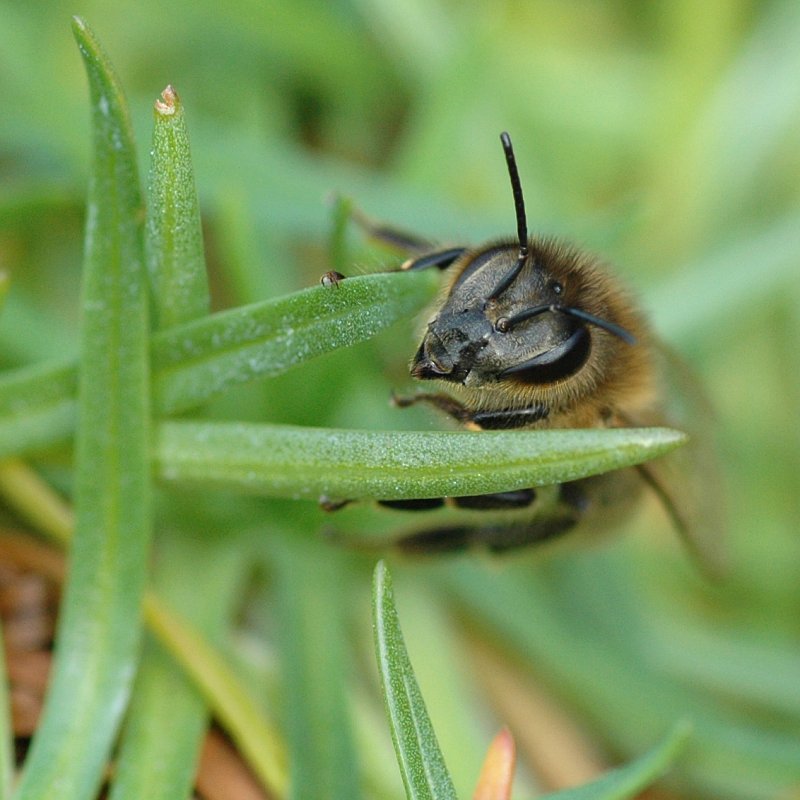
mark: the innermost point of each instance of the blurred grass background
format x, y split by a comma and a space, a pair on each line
662, 135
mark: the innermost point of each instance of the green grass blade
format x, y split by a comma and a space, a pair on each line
163, 732
37, 406
174, 241
310, 613
5, 280
35, 502
168, 716
100, 624
629, 781
194, 362
202, 359
678, 305
631, 697
6, 732
306, 462
235, 708
421, 763
341, 223
46, 337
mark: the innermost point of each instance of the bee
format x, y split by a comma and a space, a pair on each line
533, 333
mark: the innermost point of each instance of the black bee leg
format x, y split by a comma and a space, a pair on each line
504, 419
497, 501
441, 259
331, 504
403, 241
572, 505
442, 401
422, 504
423, 253
509, 418
499, 539
495, 538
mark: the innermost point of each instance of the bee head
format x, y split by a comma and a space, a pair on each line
515, 312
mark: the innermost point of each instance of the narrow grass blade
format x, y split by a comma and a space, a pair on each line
202, 359
100, 625
341, 215
6, 732
306, 462
678, 306
163, 732
617, 686
310, 614
174, 241
35, 501
168, 716
194, 362
421, 763
236, 710
629, 781
37, 406
229, 700
5, 280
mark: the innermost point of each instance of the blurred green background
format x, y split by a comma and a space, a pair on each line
662, 135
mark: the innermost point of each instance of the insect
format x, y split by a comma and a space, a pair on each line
533, 333
331, 279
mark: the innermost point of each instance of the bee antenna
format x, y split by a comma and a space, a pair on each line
599, 322
516, 188
505, 324
522, 225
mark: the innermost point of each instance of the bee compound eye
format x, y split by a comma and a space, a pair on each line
556, 364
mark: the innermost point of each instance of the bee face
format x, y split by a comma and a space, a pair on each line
541, 326
533, 325
478, 338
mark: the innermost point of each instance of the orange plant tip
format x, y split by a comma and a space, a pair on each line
497, 773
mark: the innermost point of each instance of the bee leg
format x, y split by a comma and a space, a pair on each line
495, 538
572, 505
421, 504
494, 501
497, 501
332, 504
509, 418
504, 419
500, 539
386, 234
442, 401
440, 258
423, 251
